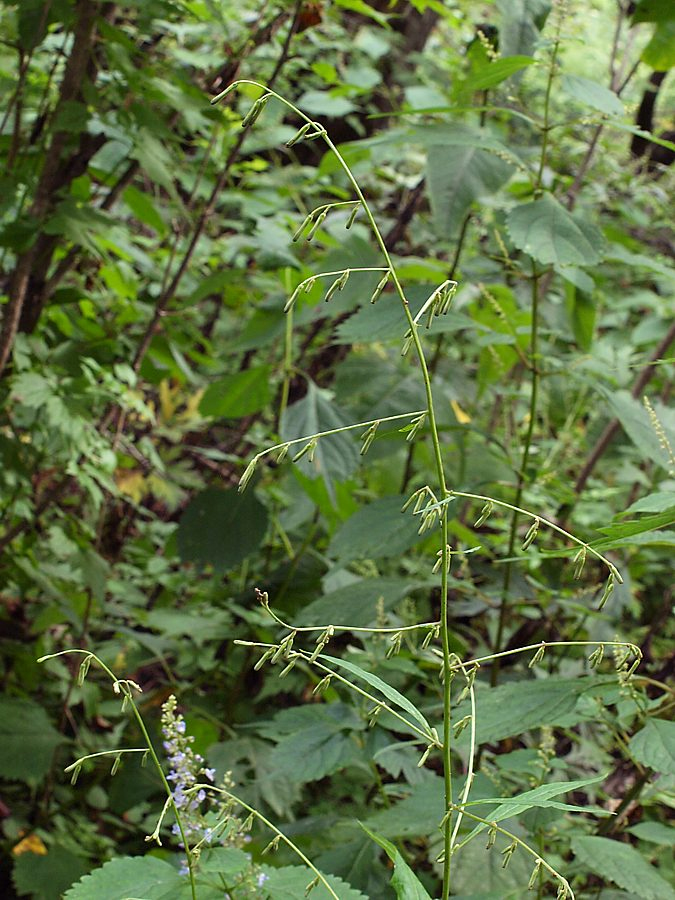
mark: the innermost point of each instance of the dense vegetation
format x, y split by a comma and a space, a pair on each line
336, 664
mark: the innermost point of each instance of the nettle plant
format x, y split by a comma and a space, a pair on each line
211, 821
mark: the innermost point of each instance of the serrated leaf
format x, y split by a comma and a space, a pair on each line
47, 876
547, 232
321, 737
654, 832
592, 94
389, 692
623, 865
638, 526
335, 457
126, 876
221, 528
652, 503
237, 395
25, 724
290, 883
463, 165
356, 604
654, 746
375, 531
404, 881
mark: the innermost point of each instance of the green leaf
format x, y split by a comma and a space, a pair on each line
389, 692
335, 457
592, 94
221, 528
635, 421
356, 604
321, 736
623, 865
654, 832
126, 876
654, 746
418, 813
237, 395
547, 232
495, 72
226, 861
519, 706
653, 11
460, 172
637, 526
290, 883
144, 209
32, 389
404, 881
582, 310
660, 51
478, 873
153, 158
47, 876
25, 724
375, 531
651, 503
540, 797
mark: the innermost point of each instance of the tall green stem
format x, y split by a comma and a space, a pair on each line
533, 367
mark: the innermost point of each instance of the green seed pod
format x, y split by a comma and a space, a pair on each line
484, 514
579, 563
116, 764
305, 223
537, 658
508, 853
299, 135
531, 534
254, 112
381, 285
534, 877
352, 215
248, 474
609, 587
75, 775
84, 668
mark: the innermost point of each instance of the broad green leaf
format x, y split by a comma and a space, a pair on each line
221, 528
582, 310
227, 861
389, 692
638, 526
463, 165
519, 706
592, 94
495, 72
336, 456
654, 746
237, 395
654, 832
32, 389
478, 872
623, 865
140, 876
660, 51
291, 882
418, 813
659, 501
653, 11
375, 531
321, 737
25, 724
144, 209
404, 881
47, 876
635, 421
547, 232
325, 103
356, 604
154, 158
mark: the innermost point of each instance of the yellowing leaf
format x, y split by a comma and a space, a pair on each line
32, 843
132, 484
462, 417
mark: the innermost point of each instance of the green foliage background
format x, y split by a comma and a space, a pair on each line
146, 257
